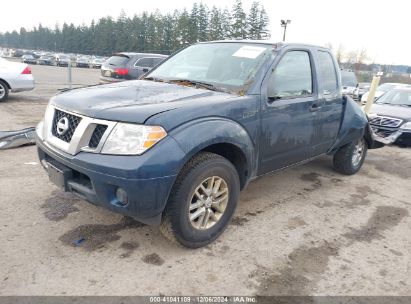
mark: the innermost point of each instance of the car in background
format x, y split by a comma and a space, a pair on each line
45, 60
349, 82
83, 62
383, 88
28, 59
127, 66
361, 89
17, 53
14, 77
62, 60
97, 62
390, 115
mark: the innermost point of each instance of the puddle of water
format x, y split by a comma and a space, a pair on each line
97, 236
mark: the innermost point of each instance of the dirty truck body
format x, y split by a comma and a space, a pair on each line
205, 142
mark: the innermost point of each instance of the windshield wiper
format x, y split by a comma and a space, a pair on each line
153, 79
196, 83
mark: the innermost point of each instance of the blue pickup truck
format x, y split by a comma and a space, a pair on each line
176, 147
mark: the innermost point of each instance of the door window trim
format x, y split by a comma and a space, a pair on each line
337, 80
313, 75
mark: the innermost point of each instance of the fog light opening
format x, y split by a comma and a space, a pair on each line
122, 197
44, 163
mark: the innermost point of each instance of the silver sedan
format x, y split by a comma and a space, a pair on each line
14, 77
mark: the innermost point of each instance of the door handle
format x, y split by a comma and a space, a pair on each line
314, 108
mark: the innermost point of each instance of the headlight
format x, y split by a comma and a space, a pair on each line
131, 139
406, 126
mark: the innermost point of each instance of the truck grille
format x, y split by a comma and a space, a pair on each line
386, 121
73, 122
97, 135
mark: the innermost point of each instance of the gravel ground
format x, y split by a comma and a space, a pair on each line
304, 231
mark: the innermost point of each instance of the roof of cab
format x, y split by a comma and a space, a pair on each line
276, 44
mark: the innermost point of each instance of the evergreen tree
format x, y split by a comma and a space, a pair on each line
264, 33
193, 24
226, 24
238, 21
203, 16
183, 28
154, 32
216, 31
253, 22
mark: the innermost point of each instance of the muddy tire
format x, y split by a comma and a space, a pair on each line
202, 202
4, 91
348, 159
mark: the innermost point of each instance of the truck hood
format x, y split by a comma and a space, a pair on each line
400, 112
130, 101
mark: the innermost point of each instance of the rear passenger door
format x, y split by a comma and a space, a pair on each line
330, 97
289, 113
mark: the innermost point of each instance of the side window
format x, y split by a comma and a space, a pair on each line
145, 62
292, 77
326, 70
157, 60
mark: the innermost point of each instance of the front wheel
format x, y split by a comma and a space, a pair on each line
4, 91
203, 200
349, 158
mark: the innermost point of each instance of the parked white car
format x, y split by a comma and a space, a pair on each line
14, 77
383, 88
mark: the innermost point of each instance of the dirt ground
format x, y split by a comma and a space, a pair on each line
304, 231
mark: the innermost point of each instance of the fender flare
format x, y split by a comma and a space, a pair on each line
196, 135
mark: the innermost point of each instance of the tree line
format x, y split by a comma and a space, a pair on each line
145, 32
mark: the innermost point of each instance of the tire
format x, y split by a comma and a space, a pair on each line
4, 91
348, 159
204, 169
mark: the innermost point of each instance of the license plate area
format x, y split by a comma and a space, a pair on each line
59, 175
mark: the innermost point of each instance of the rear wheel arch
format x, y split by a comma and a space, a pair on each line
7, 84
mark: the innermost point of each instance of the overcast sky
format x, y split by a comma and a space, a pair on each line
381, 27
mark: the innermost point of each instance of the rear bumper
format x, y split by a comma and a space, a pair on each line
110, 80
96, 178
24, 82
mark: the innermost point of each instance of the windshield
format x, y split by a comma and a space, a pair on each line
227, 66
118, 60
386, 87
348, 79
364, 86
396, 97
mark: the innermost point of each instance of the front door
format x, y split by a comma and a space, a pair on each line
289, 116
330, 96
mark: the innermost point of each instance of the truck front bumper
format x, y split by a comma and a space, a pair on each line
96, 178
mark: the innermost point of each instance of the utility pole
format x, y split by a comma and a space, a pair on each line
284, 24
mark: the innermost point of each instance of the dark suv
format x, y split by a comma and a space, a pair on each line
127, 66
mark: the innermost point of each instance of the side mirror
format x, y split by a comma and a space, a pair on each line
145, 70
